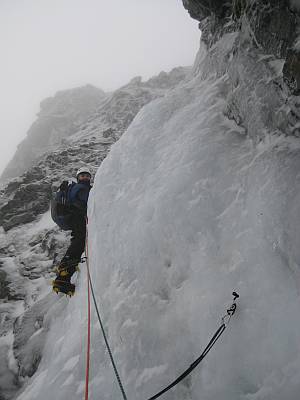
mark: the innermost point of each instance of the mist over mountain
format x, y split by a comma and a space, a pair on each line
59, 116
196, 193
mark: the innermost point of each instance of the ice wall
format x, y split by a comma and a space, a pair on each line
184, 210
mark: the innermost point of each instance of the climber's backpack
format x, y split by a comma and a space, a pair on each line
61, 206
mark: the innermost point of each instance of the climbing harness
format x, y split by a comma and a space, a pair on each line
225, 321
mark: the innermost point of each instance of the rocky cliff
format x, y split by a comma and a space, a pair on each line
253, 43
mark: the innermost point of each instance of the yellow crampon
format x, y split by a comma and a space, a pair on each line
64, 287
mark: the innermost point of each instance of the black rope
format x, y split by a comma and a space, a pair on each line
210, 345
194, 364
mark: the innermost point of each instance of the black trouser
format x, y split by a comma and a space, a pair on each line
76, 248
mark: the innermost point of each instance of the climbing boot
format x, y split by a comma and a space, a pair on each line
62, 284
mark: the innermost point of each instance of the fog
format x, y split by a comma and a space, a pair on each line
51, 45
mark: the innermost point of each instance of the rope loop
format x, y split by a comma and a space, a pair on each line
231, 310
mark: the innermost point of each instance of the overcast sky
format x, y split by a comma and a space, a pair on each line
50, 45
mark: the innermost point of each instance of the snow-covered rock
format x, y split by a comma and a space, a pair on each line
268, 27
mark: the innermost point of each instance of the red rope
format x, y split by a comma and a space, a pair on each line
87, 373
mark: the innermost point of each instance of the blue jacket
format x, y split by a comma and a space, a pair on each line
79, 195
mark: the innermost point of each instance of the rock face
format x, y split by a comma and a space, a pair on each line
58, 118
251, 43
273, 25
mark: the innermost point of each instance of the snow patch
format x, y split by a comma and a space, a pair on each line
45, 222
150, 373
277, 66
68, 381
70, 364
32, 391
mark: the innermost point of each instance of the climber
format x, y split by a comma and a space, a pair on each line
77, 198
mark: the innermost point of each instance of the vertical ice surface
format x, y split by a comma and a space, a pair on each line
184, 210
